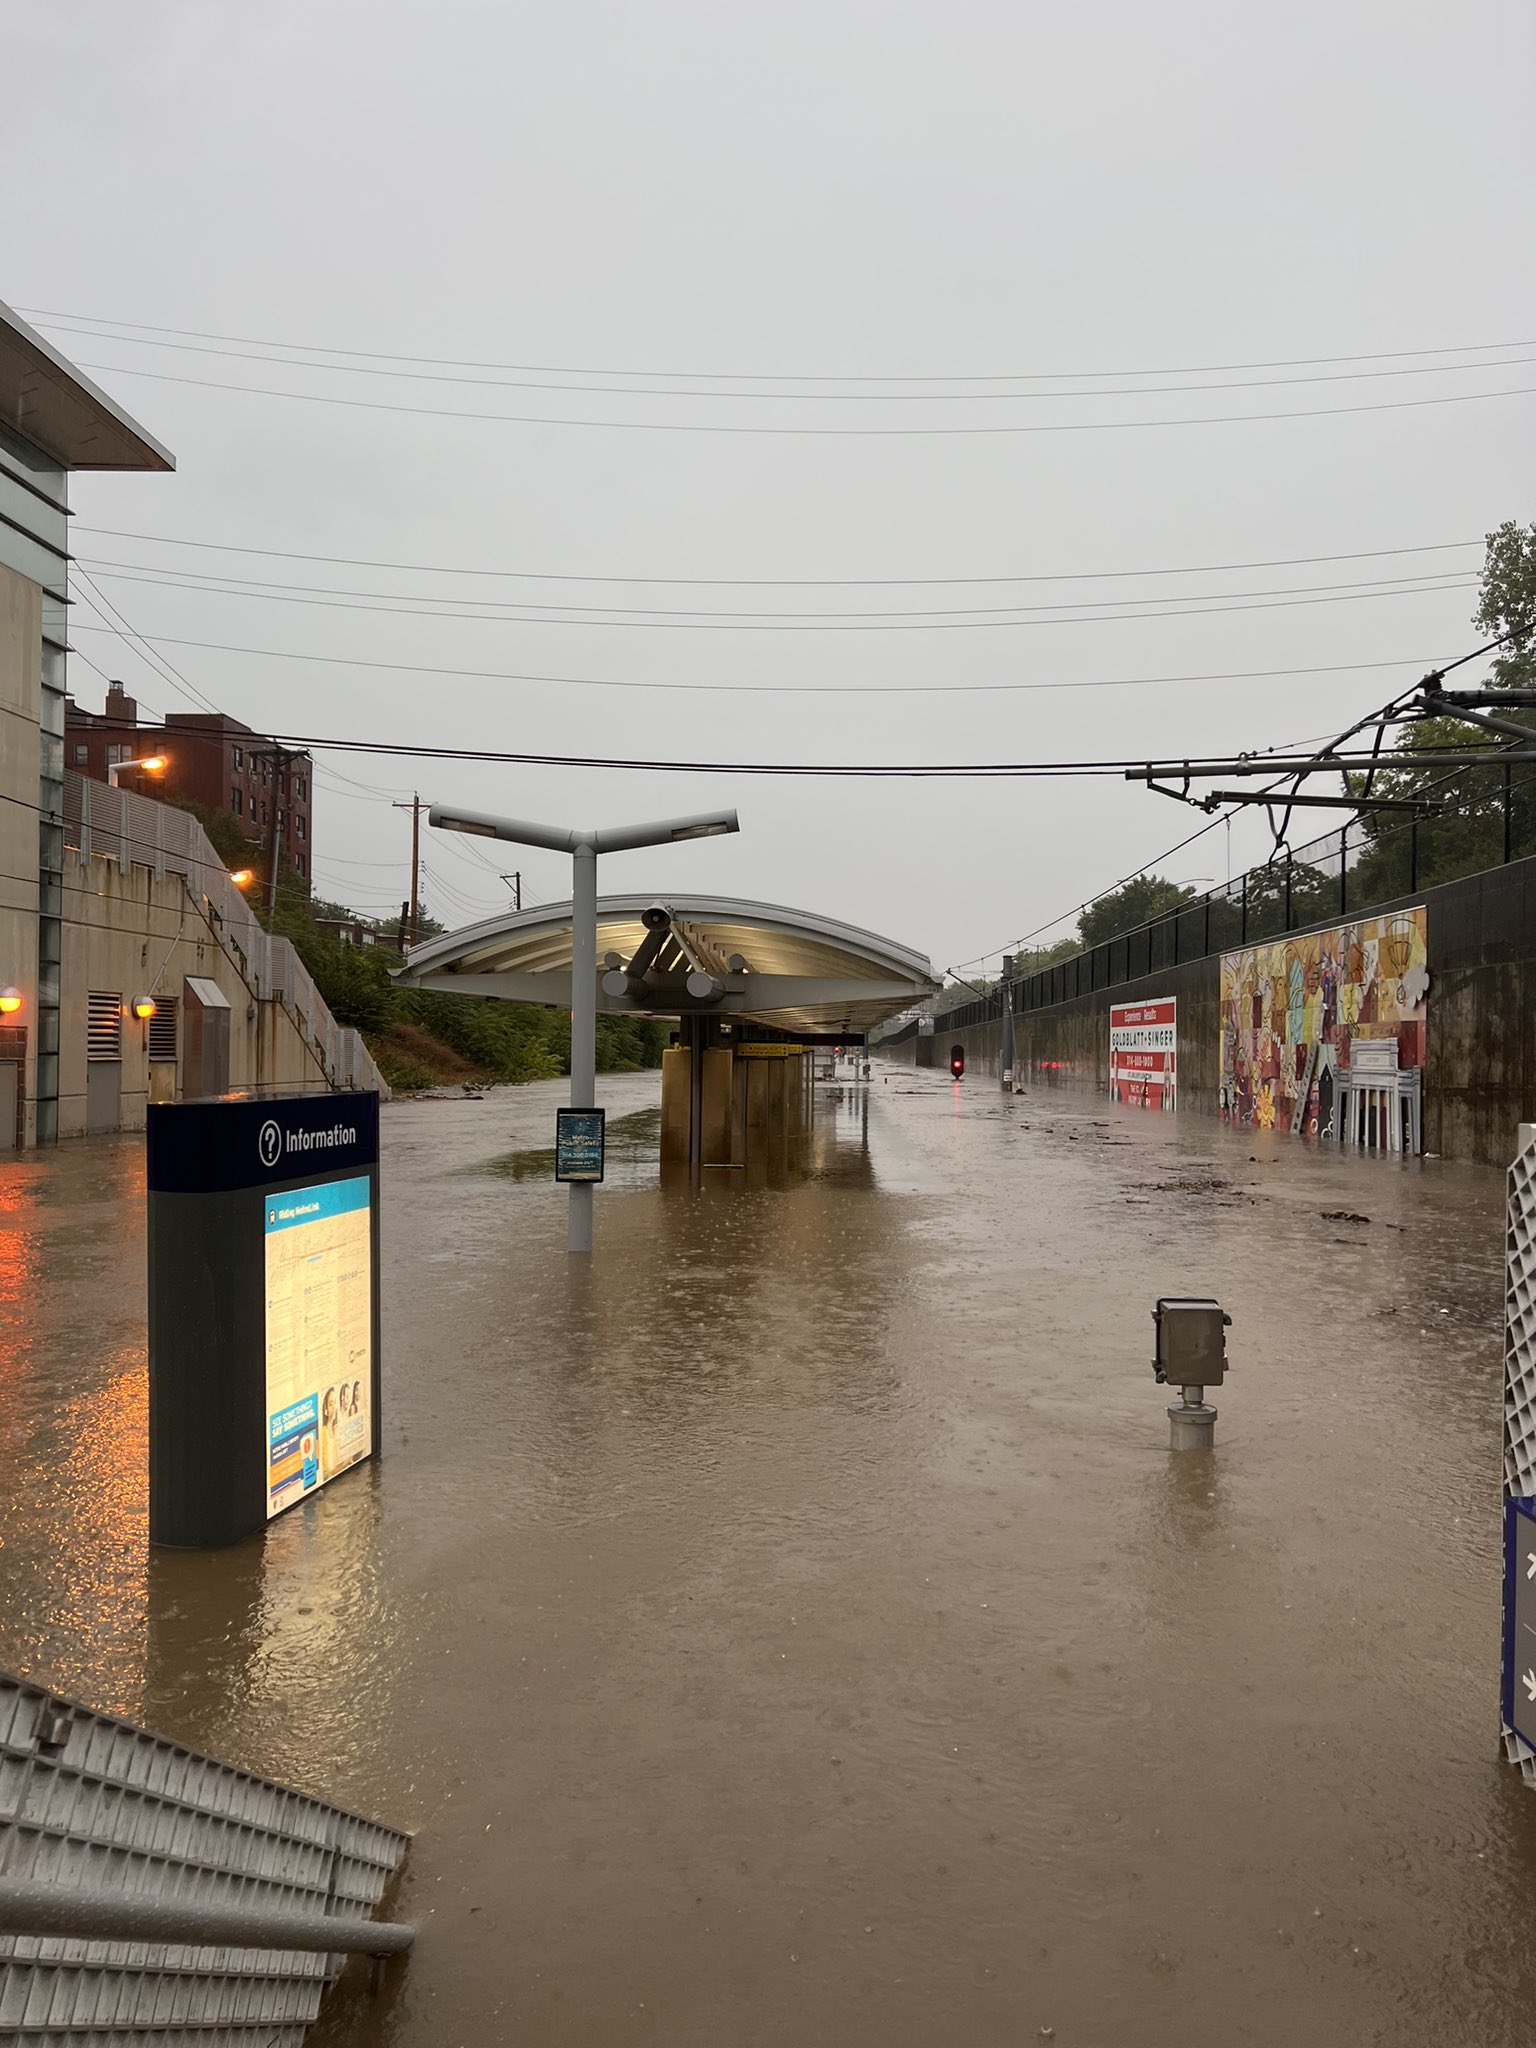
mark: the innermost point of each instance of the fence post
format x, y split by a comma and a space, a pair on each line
1289, 865
1243, 918
1206, 953
1343, 871
1413, 853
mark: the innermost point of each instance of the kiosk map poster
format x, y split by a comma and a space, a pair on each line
319, 1336
1144, 1053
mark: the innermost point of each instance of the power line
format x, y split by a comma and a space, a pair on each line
776, 582
849, 770
762, 689
508, 419
402, 603
357, 369
785, 376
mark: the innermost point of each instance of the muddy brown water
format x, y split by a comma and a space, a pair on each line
792, 1627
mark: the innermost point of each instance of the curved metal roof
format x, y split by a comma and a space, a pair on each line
801, 972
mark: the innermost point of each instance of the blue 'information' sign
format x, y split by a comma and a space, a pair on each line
579, 1144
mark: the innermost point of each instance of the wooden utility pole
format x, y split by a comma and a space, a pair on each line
414, 807
515, 883
274, 836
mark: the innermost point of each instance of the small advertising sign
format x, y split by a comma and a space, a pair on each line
579, 1144
1143, 1053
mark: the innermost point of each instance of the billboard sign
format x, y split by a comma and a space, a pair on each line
263, 1307
1144, 1052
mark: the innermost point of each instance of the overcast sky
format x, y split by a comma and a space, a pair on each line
830, 191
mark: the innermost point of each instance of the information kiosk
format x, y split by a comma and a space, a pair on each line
263, 1307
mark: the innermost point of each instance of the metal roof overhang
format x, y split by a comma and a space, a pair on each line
46, 400
803, 973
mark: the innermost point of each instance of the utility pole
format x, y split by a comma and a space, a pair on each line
515, 883
278, 756
414, 807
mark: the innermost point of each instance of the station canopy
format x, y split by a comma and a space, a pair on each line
683, 956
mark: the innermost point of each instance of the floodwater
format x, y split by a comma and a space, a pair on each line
791, 1626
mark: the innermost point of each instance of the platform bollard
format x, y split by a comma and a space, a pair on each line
1191, 1423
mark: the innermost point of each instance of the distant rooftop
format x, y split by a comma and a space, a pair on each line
46, 400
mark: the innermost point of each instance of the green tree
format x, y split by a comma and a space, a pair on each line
1508, 601
1036, 957
1467, 832
1134, 903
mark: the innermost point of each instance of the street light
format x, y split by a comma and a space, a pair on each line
152, 764
583, 846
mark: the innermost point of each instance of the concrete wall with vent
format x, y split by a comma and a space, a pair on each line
129, 933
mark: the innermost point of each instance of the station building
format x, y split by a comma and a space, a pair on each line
210, 759
131, 967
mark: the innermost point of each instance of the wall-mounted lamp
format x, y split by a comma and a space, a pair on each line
242, 877
10, 1001
144, 1006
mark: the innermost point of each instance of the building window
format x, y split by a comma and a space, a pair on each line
118, 750
162, 1029
298, 863
238, 756
82, 754
237, 801
103, 1026
301, 788
298, 826
280, 824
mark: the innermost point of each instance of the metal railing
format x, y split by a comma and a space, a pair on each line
73, 1913
1342, 875
134, 830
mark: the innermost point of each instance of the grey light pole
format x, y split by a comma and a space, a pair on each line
583, 846
1005, 1059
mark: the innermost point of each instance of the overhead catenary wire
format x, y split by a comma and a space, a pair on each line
1381, 717
785, 376
773, 582
800, 432
310, 361
442, 669
521, 612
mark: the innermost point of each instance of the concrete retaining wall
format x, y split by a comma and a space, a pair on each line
1480, 1070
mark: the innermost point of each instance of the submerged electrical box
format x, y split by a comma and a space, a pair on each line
1191, 1341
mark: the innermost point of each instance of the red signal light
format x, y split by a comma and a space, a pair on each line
957, 1061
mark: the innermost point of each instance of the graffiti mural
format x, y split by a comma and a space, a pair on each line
1292, 1008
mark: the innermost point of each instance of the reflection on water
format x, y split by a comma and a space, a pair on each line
790, 1624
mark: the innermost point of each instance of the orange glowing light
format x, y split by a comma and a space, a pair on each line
10, 1001
242, 877
152, 763
144, 1006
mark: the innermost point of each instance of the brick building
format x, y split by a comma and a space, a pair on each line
210, 760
